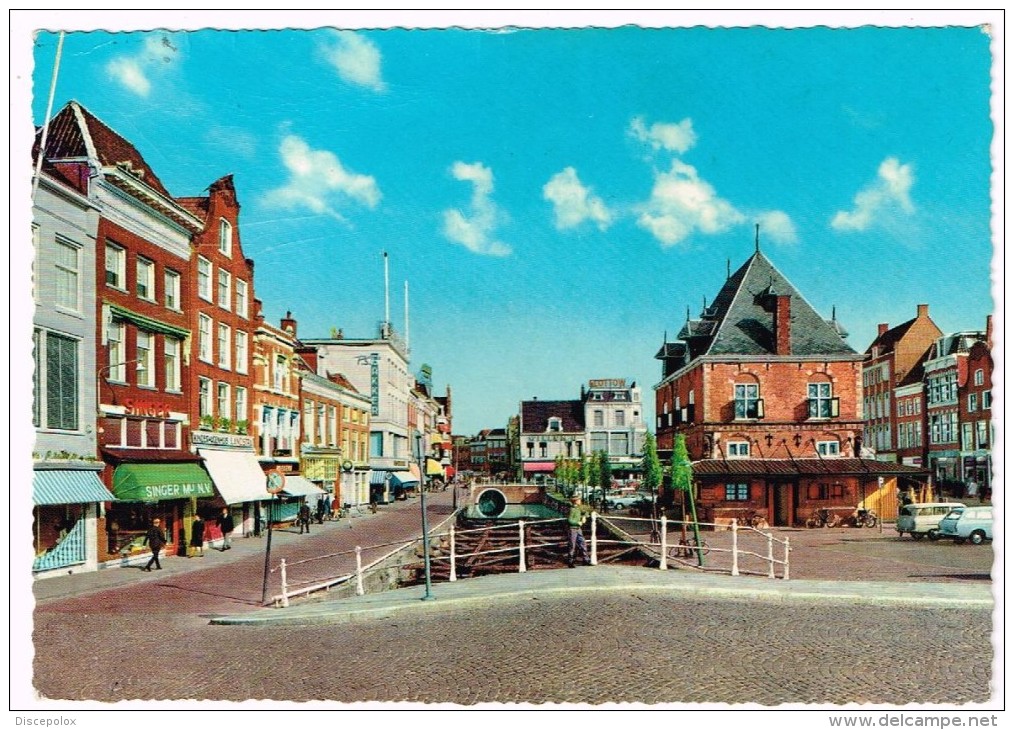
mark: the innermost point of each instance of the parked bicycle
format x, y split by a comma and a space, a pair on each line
823, 517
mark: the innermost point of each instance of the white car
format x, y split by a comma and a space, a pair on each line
974, 524
628, 500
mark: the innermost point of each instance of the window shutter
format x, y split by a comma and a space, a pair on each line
760, 408
834, 407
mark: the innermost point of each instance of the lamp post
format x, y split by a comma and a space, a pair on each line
421, 456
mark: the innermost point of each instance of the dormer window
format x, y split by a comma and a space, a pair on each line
555, 424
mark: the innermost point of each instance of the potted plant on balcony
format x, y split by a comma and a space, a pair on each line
224, 424
242, 426
207, 423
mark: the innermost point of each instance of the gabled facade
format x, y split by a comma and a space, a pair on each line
141, 334
766, 392
549, 429
975, 400
890, 360
614, 424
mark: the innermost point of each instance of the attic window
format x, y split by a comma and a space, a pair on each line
555, 424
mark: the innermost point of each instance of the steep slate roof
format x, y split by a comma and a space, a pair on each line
535, 415
68, 139
740, 320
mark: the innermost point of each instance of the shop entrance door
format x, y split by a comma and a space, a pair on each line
783, 504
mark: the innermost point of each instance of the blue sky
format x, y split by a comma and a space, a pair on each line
556, 198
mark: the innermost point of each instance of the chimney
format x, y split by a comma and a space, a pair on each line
989, 331
783, 332
289, 324
921, 310
882, 329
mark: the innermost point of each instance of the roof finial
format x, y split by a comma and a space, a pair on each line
688, 313
756, 241
704, 302
728, 268
832, 312
665, 338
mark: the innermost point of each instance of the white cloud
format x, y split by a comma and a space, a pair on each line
319, 182
475, 231
134, 71
573, 203
662, 135
777, 226
883, 198
681, 203
356, 59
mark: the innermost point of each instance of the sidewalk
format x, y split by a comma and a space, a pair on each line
392, 522
489, 590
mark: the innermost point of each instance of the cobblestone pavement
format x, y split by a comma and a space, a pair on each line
645, 648
128, 635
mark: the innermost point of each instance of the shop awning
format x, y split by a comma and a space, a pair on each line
155, 482
434, 468
378, 477
297, 486
64, 486
540, 466
404, 478
237, 475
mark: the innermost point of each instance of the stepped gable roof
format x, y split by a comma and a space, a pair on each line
743, 311
535, 415
77, 133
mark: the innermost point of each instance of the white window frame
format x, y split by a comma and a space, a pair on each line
829, 448
321, 423
225, 237
43, 378
242, 351
205, 273
204, 397
172, 364
145, 269
619, 417
979, 377
332, 425
116, 264
821, 394
241, 404
308, 421
973, 402
987, 400
223, 289
223, 399
145, 359
224, 341
737, 449
242, 299
68, 272
205, 326
172, 290
746, 397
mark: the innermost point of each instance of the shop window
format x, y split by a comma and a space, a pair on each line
135, 429
153, 434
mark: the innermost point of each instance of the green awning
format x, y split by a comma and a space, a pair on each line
155, 482
147, 323
66, 486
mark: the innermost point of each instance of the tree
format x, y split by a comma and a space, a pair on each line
683, 480
605, 474
651, 467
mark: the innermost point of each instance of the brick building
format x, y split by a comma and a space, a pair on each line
895, 357
766, 392
219, 303
142, 251
975, 408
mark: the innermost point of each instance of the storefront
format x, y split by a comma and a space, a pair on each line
297, 490
168, 490
67, 502
323, 467
238, 478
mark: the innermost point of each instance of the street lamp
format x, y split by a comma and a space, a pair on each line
421, 456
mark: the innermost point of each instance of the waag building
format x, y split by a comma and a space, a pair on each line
767, 394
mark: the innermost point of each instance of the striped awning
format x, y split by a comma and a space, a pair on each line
65, 486
404, 478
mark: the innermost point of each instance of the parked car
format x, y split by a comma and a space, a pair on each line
920, 520
974, 524
628, 500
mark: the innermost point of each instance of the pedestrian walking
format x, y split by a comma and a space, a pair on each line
319, 512
576, 540
155, 539
226, 525
304, 518
197, 536
327, 506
